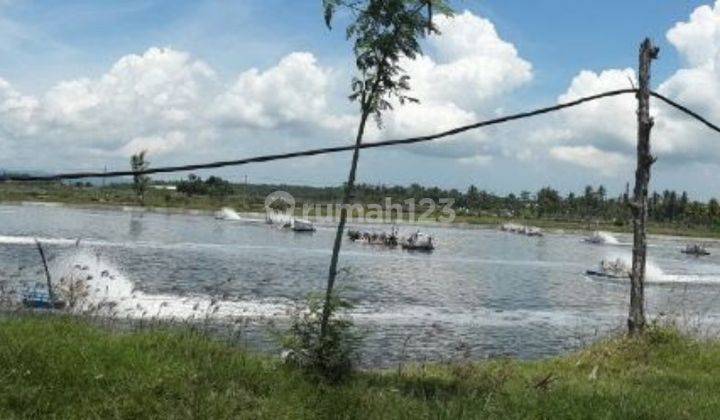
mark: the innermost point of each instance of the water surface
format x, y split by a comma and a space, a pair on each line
488, 291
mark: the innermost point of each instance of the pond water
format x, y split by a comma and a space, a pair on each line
482, 291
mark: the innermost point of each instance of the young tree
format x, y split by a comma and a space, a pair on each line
218, 187
193, 186
140, 181
473, 197
548, 201
713, 210
383, 32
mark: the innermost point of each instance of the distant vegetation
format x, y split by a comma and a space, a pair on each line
670, 211
214, 186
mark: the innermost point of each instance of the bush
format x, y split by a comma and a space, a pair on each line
663, 331
333, 357
214, 186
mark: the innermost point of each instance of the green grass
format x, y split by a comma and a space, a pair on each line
65, 368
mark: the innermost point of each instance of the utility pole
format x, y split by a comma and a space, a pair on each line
636, 316
245, 193
626, 198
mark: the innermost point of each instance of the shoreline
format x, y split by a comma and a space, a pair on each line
549, 226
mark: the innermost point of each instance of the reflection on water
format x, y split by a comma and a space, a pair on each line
498, 293
136, 227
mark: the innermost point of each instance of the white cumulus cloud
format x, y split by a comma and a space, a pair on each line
293, 92
465, 69
167, 102
608, 163
609, 125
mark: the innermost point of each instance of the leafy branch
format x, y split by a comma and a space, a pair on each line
384, 32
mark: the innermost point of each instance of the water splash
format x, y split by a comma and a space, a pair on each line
89, 283
226, 213
608, 238
30, 240
655, 275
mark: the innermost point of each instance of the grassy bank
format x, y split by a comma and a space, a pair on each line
115, 196
57, 367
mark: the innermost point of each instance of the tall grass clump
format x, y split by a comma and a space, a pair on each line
331, 356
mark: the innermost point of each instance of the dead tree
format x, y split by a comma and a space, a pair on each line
636, 317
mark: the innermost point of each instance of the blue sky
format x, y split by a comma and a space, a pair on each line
43, 44
558, 36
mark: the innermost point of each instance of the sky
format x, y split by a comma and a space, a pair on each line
84, 84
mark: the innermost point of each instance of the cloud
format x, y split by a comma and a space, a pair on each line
465, 69
161, 90
477, 160
474, 58
169, 103
293, 92
467, 64
154, 145
605, 127
172, 104
696, 85
139, 97
698, 39
608, 163
609, 125
177, 107
17, 112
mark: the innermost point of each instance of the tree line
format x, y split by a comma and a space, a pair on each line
593, 203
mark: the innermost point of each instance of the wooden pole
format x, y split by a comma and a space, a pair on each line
51, 295
636, 316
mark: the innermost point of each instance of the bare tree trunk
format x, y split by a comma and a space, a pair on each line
636, 317
349, 190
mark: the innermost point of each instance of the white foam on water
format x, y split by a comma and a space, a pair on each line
655, 275
30, 240
608, 238
91, 284
226, 213
279, 218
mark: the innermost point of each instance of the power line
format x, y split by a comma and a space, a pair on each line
321, 151
337, 149
686, 110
